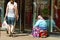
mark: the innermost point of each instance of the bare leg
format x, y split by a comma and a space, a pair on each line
12, 28
9, 30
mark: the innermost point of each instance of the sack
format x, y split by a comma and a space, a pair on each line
4, 25
35, 32
43, 33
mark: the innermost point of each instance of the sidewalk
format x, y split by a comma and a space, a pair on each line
25, 37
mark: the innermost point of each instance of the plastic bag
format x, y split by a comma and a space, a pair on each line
4, 25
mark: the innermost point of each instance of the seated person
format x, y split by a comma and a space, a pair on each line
40, 27
41, 23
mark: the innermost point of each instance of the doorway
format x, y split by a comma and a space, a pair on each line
27, 15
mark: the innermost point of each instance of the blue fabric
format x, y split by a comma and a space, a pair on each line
10, 20
41, 23
51, 21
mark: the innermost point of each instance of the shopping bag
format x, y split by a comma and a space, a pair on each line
4, 25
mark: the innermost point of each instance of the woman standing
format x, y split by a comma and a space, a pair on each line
12, 15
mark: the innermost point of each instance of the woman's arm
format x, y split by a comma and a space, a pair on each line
36, 24
6, 12
16, 12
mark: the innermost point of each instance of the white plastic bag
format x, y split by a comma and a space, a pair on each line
4, 25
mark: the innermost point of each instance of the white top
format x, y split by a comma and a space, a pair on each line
11, 12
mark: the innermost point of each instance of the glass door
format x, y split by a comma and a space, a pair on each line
28, 15
56, 16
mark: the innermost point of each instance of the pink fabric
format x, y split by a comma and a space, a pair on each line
35, 32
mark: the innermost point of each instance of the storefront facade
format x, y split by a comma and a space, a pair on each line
28, 11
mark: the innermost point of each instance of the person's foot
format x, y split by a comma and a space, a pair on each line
7, 32
11, 35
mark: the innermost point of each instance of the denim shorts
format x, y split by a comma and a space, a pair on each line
10, 20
